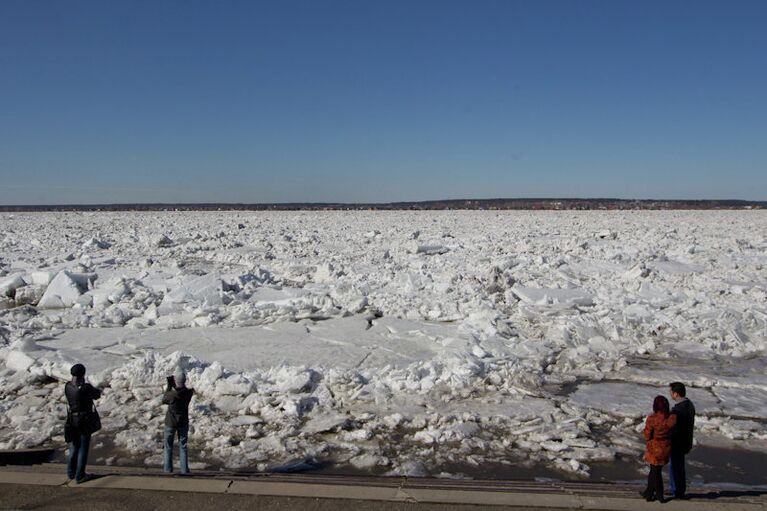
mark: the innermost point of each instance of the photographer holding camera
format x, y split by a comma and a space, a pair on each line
82, 421
177, 396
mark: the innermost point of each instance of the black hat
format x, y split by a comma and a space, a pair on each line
78, 370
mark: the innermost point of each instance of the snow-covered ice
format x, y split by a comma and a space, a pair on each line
397, 342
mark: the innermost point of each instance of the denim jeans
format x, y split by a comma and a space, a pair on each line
677, 474
170, 434
78, 457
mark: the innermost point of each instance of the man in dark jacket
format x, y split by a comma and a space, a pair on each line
80, 420
681, 439
177, 396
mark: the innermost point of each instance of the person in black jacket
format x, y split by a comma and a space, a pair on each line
80, 420
177, 396
681, 439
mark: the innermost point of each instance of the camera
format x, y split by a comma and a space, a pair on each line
171, 382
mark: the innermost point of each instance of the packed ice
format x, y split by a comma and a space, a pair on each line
395, 342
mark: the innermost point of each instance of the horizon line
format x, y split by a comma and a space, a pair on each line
461, 201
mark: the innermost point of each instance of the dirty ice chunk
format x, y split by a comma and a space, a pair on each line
161, 241
9, 284
29, 295
431, 249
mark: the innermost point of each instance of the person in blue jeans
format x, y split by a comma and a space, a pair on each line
80, 396
177, 396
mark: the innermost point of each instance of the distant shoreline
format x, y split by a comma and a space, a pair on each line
452, 204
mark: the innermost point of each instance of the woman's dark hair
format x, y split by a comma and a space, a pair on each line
660, 405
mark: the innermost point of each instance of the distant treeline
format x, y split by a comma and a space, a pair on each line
477, 204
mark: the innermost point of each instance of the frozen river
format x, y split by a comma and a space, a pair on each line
393, 342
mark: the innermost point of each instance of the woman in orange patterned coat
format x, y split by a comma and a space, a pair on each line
657, 432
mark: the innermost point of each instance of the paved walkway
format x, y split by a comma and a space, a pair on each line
346, 491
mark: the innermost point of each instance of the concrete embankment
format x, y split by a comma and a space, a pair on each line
47, 487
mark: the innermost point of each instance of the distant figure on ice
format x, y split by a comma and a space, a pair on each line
177, 396
681, 439
657, 432
82, 421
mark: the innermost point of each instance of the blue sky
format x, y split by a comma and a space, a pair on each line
358, 101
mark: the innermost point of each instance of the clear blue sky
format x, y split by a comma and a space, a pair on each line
192, 101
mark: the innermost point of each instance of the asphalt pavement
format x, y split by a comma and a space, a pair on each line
46, 486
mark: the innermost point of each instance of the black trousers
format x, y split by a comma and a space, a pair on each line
655, 482
678, 474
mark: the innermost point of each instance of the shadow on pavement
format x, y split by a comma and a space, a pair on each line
26, 456
712, 495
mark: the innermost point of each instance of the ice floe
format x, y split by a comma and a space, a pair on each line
399, 342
